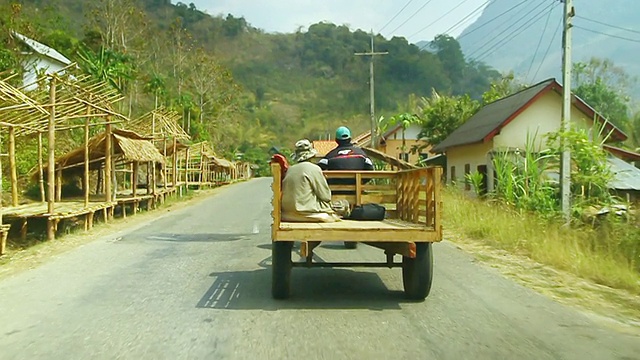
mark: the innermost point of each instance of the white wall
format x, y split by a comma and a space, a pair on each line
474, 155
411, 133
543, 117
34, 65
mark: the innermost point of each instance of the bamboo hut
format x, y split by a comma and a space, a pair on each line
68, 101
162, 126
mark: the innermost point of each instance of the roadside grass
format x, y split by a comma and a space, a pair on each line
596, 254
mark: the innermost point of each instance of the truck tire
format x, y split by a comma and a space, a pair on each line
281, 269
350, 245
417, 273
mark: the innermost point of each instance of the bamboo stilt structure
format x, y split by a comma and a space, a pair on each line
59, 183
148, 178
164, 167
134, 179
175, 162
0, 186
52, 158
41, 168
186, 167
12, 166
108, 170
85, 179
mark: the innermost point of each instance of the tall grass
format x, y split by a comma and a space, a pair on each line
608, 254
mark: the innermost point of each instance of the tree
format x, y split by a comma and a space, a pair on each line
501, 88
156, 85
449, 52
441, 115
604, 86
108, 65
404, 120
181, 46
119, 22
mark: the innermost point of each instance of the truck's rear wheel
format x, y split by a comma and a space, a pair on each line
281, 269
350, 245
417, 273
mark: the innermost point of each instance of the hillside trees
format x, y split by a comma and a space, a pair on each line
604, 86
120, 22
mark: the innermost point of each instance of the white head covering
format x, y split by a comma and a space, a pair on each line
304, 151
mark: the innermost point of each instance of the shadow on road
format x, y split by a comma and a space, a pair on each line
311, 289
201, 237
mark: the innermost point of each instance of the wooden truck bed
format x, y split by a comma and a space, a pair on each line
412, 202
411, 197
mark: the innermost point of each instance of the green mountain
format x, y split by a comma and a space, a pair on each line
526, 37
237, 85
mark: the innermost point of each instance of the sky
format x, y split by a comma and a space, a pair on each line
420, 19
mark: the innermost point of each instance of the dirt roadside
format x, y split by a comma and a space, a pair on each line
615, 308
16, 261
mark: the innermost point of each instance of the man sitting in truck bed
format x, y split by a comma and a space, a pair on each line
306, 196
346, 156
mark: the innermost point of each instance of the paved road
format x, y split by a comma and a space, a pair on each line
196, 285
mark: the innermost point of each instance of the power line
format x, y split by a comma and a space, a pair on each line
513, 34
535, 53
610, 35
459, 22
438, 19
412, 16
472, 13
544, 58
492, 20
395, 16
605, 24
509, 24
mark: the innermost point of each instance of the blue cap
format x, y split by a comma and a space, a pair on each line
343, 133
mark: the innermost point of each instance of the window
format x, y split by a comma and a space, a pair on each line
467, 171
453, 174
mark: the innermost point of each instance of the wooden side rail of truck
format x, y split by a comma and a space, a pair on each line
412, 223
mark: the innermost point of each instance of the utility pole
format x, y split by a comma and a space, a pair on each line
565, 160
372, 54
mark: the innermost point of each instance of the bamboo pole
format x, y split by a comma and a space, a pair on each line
52, 158
41, 168
186, 166
85, 180
134, 178
175, 162
1, 242
148, 178
164, 166
59, 183
12, 166
108, 169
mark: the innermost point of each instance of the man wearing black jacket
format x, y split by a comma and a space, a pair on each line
346, 156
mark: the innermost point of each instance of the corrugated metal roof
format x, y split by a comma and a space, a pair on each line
626, 176
42, 49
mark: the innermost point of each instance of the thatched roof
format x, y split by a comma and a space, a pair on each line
204, 149
400, 164
170, 148
223, 163
127, 146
